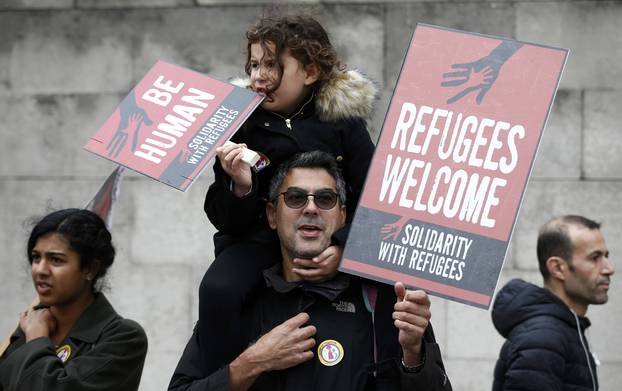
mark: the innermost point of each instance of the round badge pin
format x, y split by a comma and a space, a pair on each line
63, 352
330, 352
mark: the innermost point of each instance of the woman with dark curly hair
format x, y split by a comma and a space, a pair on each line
73, 339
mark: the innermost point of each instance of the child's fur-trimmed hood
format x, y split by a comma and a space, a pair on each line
349, 94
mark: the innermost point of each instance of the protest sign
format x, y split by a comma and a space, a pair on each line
452, 163
169, 126
105, 199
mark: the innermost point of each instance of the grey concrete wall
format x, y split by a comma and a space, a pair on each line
65, 65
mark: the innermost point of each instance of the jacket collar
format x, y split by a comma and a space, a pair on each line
330, 289
89, 326
519, 300
348, 94
306, 105
91, 323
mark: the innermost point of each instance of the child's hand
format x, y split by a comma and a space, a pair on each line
321, 268
231, 161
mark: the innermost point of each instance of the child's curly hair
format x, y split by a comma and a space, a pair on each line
305, 38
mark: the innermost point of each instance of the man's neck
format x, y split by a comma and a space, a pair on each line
288, 274
287, 265
558, 290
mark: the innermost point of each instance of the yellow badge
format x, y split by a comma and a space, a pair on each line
63, 352
330, 352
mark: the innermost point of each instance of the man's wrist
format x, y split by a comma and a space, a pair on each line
413, 363
243, 371
414, 356
251, 363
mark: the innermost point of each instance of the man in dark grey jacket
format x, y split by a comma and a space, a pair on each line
546, 348
320, 336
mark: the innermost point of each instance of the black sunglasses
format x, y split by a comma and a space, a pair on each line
298, 198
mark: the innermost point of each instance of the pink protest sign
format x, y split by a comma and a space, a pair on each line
169, 126
452, 163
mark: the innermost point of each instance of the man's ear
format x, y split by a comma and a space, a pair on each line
313, 73
557, 268
342, 211
271, 214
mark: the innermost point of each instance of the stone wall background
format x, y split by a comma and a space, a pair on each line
66, 64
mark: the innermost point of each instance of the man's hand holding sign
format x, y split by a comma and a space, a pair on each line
412, 316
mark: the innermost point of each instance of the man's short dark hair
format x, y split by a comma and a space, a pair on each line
313, 159
554, 240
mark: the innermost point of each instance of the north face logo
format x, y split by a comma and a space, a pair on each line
344, 306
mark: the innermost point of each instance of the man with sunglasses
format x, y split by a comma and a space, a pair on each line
342, 334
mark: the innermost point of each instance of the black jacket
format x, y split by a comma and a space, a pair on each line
332, 120
338, 311
546, 348
103, 351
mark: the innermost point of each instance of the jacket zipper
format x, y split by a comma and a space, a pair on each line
587, 357
288, 121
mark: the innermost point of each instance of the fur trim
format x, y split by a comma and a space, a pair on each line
243, 82
347, 95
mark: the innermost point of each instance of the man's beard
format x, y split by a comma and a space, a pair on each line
309, 253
